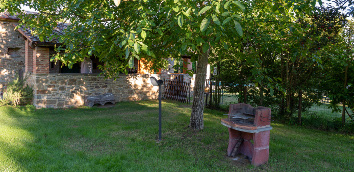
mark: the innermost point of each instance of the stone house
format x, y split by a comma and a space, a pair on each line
57, 86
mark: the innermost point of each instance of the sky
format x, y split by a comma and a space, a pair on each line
26, 8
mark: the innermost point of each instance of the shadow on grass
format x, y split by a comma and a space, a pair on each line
121, 138
66, 139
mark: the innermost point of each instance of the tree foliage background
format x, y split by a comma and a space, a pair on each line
285, 54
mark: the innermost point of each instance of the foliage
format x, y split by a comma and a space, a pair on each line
135, 29
281, 61
338, 81
285, 49
17, 92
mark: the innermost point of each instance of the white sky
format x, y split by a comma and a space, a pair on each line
26, 8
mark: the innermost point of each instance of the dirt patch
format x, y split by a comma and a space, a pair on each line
240, 160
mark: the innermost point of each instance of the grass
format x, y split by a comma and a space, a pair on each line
327, 113
123, 138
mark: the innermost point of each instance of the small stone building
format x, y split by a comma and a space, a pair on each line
57, 86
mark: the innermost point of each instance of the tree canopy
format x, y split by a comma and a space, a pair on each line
277, 45
154, 30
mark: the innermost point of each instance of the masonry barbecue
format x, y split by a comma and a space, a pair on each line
249, 131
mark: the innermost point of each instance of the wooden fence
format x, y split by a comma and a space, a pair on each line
177, 89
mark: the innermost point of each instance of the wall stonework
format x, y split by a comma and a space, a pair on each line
12, 53
70, 90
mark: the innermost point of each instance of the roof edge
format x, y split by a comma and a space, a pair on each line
9, 19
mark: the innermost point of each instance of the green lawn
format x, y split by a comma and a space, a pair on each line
323, 111
123, 138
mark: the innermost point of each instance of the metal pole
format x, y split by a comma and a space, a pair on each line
160, 112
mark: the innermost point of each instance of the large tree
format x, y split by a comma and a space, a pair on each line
150, 29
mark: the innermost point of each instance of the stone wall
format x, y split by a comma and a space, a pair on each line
12, 53
70, 90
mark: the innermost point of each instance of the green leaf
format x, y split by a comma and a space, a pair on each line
143, 34
226, 20
184, 47
123, 43
131, 62
130, 42
205, 47
204, 25
188, 35
238, 28
137, 47
275, 7
144, 47
187, 13
132, 36
225, 14
226, 46
41, 38
176, 9
227, 4
217, 39
239, 4
180, 20
218, 7
215, 19
236, 16
206, 8
127, 52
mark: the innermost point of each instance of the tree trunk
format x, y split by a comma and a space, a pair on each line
210, 92
245, 94
282, 69
300, 107
345, 85
197, 121
343, 114
261, 94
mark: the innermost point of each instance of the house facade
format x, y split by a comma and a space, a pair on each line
57, 86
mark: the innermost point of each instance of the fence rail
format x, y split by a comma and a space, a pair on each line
177, 89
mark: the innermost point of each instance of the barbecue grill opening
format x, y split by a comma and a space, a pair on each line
242, 118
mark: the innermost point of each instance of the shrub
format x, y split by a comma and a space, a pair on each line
17, 93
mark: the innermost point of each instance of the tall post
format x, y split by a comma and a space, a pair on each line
160, 112
159, 83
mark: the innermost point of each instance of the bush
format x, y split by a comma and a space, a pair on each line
17, 93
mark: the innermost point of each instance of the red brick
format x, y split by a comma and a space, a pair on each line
260, 157
41, 60
261, 139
